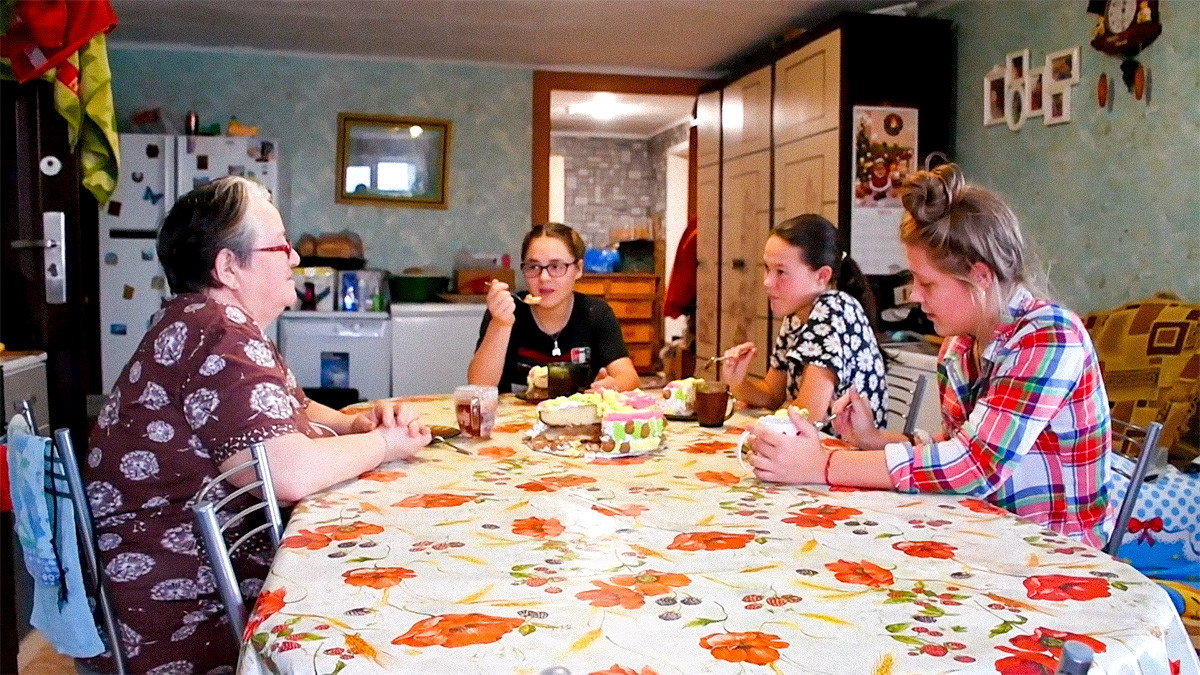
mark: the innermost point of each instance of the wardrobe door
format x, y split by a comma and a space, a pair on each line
745, 219
806, 177
808, 89
708, 128
708, 238
746, 114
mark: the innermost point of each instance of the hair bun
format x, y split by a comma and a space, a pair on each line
929, 195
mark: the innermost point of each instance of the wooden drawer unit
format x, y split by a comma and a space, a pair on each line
635, 302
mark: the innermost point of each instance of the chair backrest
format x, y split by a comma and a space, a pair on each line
1139, 445
61, 465
905, 392
213, 532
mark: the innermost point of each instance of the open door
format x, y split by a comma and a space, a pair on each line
48, 252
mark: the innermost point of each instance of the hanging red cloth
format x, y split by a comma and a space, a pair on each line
681, 288
45, 33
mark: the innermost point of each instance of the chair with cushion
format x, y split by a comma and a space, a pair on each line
905, 391
62, 471
211, 500
1149, 354
1138, 445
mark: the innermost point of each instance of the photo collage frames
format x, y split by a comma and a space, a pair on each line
1018, 90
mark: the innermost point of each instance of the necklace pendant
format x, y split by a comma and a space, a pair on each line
556, 351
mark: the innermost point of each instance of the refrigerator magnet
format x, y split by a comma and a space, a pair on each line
111, 258
147, 254
158, 283
127, 292
138, 176
118, 329
202, 162
150, 196
114, 208
152, 150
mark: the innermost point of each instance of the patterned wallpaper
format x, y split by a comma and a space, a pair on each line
607, 185
296, 98
1111, 201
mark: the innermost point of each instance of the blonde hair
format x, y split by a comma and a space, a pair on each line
959, 225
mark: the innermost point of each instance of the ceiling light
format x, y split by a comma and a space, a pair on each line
603, 107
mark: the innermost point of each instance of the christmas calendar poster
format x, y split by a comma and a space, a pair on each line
884, 153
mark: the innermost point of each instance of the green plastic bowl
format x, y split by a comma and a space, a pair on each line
417, 288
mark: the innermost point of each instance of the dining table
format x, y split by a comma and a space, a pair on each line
493, 557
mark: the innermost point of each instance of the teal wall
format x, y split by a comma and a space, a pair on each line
296, 98
1110, 200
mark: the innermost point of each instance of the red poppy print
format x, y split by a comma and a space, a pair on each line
621, 461
925, 549
622, 670
377, 577
980, 506
306, 539
457, 630
538, 528
496, 451
631, 510
709, 447
555, 483
511, 428
608, 595
864, 572
1061, 587
383, 476
755, 647
437, 500
721, 477
1025, 663
268, 603
349, 531
709, 541
652, 582
1050, 640
821, 516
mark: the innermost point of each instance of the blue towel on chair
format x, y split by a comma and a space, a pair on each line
50, 549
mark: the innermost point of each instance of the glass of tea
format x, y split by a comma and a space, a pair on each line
558, 380
475, 409
712, 403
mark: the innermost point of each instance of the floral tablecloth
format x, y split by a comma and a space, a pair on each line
512, 561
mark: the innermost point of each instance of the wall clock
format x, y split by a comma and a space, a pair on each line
1125, 27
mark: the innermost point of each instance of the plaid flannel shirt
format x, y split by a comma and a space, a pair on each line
1030, 432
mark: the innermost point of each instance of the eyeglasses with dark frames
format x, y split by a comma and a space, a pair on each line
556, 268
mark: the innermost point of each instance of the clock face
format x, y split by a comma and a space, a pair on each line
1119, 14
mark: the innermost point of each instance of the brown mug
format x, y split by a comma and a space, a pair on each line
712, 404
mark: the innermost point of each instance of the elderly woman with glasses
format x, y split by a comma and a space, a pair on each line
204, 384
550, 322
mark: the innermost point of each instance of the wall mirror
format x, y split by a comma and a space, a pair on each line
393, 161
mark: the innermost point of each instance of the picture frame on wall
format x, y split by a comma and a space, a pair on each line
1015, 105
1035, 95
1016, 66
1057, 105
993, 96
1063, 66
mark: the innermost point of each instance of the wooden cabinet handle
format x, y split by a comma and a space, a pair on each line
738, 264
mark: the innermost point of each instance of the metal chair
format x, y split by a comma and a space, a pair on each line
61, 465
213, 532
1138, 445
905, 392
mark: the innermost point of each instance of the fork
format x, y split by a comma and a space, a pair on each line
529, 298
712, 361
459, 449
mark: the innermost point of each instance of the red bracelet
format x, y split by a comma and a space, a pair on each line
828, 461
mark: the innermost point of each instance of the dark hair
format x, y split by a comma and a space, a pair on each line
557, 231
817, 241
204, 221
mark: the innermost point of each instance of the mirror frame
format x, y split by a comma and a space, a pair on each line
348, 121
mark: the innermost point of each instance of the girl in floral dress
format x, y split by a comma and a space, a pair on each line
825, 344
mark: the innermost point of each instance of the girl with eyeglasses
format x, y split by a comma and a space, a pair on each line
550, 322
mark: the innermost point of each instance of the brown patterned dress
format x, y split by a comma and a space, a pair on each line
203, 384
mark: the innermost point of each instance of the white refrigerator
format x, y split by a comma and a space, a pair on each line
155, 171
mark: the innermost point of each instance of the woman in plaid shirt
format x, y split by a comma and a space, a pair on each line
1024, 411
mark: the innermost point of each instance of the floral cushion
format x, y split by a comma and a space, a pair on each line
1151, 365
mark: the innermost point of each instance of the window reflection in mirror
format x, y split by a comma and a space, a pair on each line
392, 161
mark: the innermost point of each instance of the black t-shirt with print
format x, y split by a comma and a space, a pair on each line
592, 325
